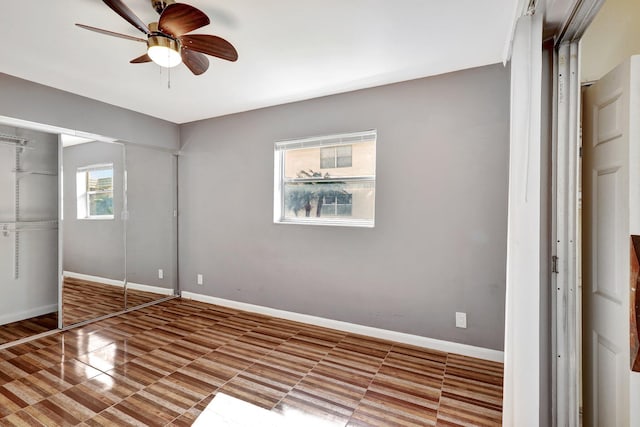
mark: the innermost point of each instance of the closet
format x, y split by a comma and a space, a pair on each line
29, 206
88, 228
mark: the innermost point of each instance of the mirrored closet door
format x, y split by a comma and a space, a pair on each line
28, 233
93, 229
151, 232
88, 228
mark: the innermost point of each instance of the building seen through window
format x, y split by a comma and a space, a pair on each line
328, 180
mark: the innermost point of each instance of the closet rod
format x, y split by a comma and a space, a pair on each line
20, 226
12, 139
20, 230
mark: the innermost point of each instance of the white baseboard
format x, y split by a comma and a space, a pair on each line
96, 279
130, 285
435, 344
27, 314
149, 288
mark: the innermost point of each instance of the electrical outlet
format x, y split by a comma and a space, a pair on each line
200, 279
160, 274
461, 320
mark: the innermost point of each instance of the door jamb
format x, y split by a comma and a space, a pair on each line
567, 300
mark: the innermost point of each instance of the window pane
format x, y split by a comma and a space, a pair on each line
100, 204
343, 151
328, 180
100, 180
337, 161
302, 199
344, 198
329, 198
327, 163
344, 162
328, 210
327, 158
343, 154
94, 188
343, 210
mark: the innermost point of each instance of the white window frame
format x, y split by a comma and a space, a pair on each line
83, 193
318, 142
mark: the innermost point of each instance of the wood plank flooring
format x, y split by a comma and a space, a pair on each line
85, 300
82, 300
26, 328
161, 365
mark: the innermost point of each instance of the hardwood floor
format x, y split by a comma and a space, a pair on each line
161, 365
29, 327
85, 300
82, 300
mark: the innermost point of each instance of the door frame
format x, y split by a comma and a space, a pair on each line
565, 279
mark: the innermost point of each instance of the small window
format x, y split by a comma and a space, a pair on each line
337, 204
94, 186
326, 180
335, 157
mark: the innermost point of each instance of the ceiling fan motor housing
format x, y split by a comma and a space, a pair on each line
159, 5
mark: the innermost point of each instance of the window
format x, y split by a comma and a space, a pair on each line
335, 157
94, 186
337, 204
326, 180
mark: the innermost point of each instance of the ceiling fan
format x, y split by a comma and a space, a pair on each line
168, 43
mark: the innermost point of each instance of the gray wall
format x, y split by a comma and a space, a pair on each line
25, 100
35, 291
93, 247
439, 244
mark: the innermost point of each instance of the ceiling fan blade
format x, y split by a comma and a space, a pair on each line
211, 45
195, 61
179, 18
111, 33
121, 9
141, 59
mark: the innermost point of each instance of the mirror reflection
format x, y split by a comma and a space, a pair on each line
87, 229
94, 271
151, 225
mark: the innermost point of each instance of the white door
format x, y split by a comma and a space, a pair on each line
611, 195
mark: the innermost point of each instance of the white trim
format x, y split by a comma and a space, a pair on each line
518, 11
149, 288
130, 285
328, 140
431, 343
27, 314
96, 279
521, 405
10, 121
96, 167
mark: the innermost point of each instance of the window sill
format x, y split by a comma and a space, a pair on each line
360, 223
98, 218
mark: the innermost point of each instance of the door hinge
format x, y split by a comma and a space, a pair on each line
554, 264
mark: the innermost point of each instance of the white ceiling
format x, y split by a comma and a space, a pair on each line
289, 50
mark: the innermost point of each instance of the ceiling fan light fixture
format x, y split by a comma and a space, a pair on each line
164, 51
